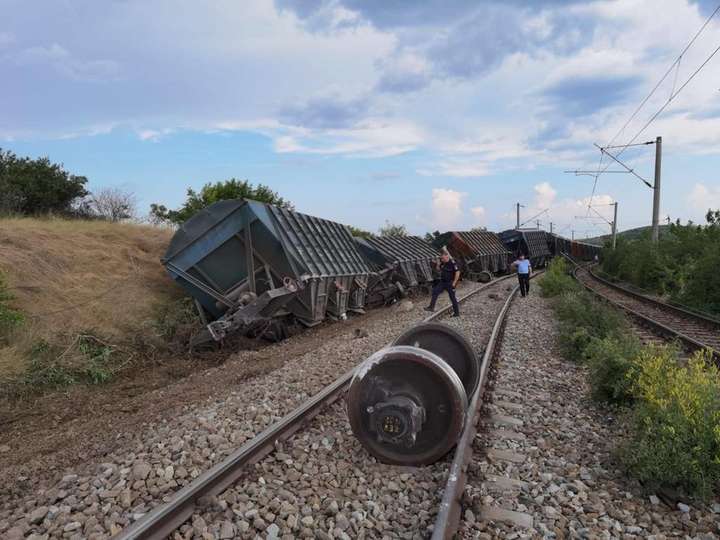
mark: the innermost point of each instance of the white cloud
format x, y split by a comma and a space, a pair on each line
457, 168
370, 138
66, 64
544, 195
478, 213
566, 214
447, 207
702, 197
153, 135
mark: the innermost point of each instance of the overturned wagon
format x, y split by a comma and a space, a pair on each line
399, 264
531, 243
246, 262
479, 253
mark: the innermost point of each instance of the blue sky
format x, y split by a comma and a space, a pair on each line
438, 114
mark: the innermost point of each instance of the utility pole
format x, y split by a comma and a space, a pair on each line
656, 192
537, 223
551, 225
614, 226
572, 233
517, 208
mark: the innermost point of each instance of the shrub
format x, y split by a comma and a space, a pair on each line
613, 361
211, 193
86, 360
675, 427
37, 186
556, 279
580, 310
682, 265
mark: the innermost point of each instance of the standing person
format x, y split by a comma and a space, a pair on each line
449, 277
523, 270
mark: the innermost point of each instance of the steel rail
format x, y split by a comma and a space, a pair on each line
680, 310
659, 327
164, 519
448, 519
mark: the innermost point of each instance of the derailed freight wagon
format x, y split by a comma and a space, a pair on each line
478, 253
558, 244
531, 243
399, 264
582, 251
246, 262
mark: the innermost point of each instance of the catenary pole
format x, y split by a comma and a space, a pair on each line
614, 226
656, 192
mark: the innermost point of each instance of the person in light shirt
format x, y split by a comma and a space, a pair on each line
524, 269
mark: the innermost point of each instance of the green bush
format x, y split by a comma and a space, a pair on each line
37, 186
613, 361
87, 360
211, 193
582, 318
675, 427
682, 265
556, 279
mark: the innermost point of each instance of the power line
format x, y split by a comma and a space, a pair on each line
673, 96
676, 62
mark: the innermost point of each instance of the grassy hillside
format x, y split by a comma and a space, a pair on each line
87, 288
630, 234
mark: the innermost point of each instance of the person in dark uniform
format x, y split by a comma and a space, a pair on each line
449, 277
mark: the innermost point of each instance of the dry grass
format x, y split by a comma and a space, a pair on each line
70, 277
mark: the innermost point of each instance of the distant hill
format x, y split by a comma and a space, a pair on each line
630, 234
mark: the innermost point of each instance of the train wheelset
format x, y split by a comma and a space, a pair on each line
407, 403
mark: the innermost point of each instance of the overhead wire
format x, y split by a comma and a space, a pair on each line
674, 93
669, 70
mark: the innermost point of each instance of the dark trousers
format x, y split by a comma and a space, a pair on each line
524, 280
441, 286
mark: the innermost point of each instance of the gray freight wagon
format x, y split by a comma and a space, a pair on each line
246, 262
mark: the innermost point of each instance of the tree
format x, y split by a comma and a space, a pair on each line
433, 238
37, 186
211, 193
713, 217
112, 204
359, 232
391, 229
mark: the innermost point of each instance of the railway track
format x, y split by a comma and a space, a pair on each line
187, 502
692, 330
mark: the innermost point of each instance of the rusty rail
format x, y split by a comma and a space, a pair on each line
448, 519
658, 327
163, 520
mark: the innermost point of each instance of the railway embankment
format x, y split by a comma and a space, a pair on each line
554, 449
666, 389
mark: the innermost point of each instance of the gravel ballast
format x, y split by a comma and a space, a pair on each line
573, 487
323, 484
97, 499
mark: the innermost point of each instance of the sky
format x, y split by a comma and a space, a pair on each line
439, 115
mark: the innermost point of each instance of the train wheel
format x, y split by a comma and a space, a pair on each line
449, 345
406, 406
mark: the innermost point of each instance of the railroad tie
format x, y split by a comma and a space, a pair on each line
503, 483
502, 420
494, 513
508, 405
508, 393
494, 434
497, 454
